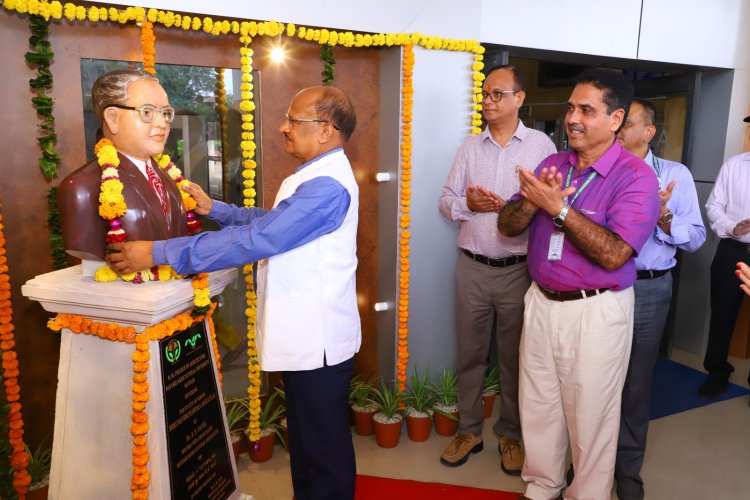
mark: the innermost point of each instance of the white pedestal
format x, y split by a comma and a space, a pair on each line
92, 450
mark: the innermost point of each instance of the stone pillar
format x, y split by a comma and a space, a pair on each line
92, 449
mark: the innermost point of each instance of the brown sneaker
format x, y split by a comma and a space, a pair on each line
457, 452
512, 455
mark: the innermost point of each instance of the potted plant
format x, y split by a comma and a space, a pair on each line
270, 414
40, 462
420, 401
388, 418
237, 410
446, 407
363, 407
490, 388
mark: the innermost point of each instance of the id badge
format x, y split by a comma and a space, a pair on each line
556, 246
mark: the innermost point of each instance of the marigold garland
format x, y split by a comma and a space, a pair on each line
19, 459
148, 44
112, 206
407, 103
221, 108
247, 106
141, 477
331, 38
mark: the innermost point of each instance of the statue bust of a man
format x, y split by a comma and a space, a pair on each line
134, 113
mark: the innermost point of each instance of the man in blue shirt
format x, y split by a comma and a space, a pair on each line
308, 321
679, 226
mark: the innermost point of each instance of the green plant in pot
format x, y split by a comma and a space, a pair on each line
446, 402
388, 419
490, 388
361, 401
237, 411
40, 462
270, 429
420, 401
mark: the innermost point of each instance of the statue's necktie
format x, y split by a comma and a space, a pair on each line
158, 186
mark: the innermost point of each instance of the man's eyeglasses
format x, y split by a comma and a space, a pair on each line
292, 121
148, 112
497, 95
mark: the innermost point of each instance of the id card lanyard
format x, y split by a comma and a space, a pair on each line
558, 237
657, 168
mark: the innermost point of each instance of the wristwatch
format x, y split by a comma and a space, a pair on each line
559, 219
666, 218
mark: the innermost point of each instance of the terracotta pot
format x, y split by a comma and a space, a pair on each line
489, 402
363, 422
265, 451
387, 435
40, 493
444, 426
418, 428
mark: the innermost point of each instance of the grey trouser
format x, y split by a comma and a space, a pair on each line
484, 294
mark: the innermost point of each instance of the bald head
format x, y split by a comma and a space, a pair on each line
332, 105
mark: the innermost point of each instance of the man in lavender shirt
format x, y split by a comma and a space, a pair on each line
491, 275
590, 210
680, 227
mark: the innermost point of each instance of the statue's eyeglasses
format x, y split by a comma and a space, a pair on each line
148, 112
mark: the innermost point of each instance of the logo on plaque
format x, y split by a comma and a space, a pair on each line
172, 350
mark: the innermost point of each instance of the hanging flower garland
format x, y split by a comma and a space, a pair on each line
407, 103
19, 459
148, 45
221, 108
112, 206
478, 78
247, 107
141, 477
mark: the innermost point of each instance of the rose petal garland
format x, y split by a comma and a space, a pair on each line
247, 106
149, 49
407, 103
19, 459
141, 477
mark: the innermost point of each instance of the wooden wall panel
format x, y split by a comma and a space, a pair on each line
23, 188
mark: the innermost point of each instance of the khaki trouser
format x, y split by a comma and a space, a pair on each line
574, 357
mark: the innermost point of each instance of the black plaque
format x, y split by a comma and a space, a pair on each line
199, 463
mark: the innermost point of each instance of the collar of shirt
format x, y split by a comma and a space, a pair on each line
310, 162
604, 163
140, 164
649, 159
522, 131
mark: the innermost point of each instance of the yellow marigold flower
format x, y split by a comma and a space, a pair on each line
152, 15
196, 24
186, 22
104, 274
290, 29
208, 24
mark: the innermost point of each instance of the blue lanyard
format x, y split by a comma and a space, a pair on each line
580, 189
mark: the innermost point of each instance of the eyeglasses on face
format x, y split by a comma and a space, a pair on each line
497, 95
291, 121
148, 112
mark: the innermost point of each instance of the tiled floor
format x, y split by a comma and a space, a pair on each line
696, 455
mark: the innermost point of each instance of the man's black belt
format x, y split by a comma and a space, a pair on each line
648, 274
505, 262
571, 295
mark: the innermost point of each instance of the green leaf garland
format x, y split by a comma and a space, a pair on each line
329, 64
41, 57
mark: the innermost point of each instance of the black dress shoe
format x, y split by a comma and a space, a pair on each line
712, 387
629, 489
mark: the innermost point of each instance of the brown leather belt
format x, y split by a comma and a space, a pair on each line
505, 262
572, 295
